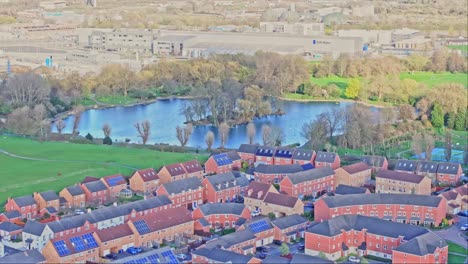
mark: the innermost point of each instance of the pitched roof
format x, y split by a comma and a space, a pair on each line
71, 246
155, 255
448, 168
222, 208
223, 181
171, 217
327, 157
11, 214
222, 256
179, 186
89, 179
265, 151
373, 161
356, 167
283, 152
400, 176
115, 232
175, 169
34, 227
427, 166
147, 175
50, 210
280, 199
248, 148
232, 239
334, 226
114, 180
303, 154
221, 159
95, 186
9, 227
300, 258
28, 256
278, 169
24, 200
450, 195
242, 181
462, 190
233, 155
257, 188
382, 198
49, 195
289, 221
271, 259
422, 245
192, 166
406, 165
310, 175
75, 190
347, 189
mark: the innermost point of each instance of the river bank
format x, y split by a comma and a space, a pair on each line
333, 100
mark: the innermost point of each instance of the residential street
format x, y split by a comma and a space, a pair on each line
454, 234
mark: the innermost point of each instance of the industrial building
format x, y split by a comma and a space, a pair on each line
306, 29
140, 40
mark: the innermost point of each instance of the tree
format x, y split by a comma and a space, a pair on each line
106, 129
89, 137
437, 116
451, 117
354, 86
276, 136
223, 133
143, 130
406, 112
107, 141
333, 119
284, 249
209, 139
251, 131
19, 121
183, 134
423, 143
266, 135
27, 89
315, 133
78, 110
60, 125
460, 121
448, 145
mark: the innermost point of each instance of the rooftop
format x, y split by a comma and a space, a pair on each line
222, 208
281, 199
382, 198
222, 256
28, 256
278, 169
309, 175
289, 221
148, 175
327, 157
347, 189
356, 167
95, 186
400, 176
183, 185
24, 200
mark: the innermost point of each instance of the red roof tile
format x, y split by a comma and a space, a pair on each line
169, 218
115, 232
148, 175
257, 190
400, 176
281, 199
175, 169
89, 179
357, 167
192, 166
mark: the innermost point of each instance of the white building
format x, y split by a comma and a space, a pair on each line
306, 29
372, 37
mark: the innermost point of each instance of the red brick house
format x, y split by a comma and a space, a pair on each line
403, 208
302, 156
76, 248
144, 181
224, 162
247, 152
283, 156
214, 255
187, 193
193, 169
289, 227
242, 242
10, 216
10, 231
220, 215
407, 166
225, 187
357, 174
311, 182
115, 184
114, 239
47, 199
377, 163
428, 169
25, 205
449, 173
262, 229
362, 235
265, 154
172, 172
95, 192
463, 191
388, 181
327, 159
74, 195
274, 173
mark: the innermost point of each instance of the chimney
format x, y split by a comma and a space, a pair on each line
219, 185
260, 193
249, 192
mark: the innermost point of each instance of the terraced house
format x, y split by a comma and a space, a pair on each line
220, 215
144, 181
264, 155
400, 182
241, 242
247, 152
311, 182
96, 192
25, 205
186, 192
274, 173
362, 235
47, 199
289, 227
403, 208
223, 162
449, 173
283, 156
377, 163
115, 239
74, 195
115, 184
205, 255
356, 174
263, 230
327, 159
302, 156
76, 248
225, 187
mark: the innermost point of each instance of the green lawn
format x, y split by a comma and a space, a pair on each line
431, 79
463, 48
455, 248
455, 259
21, 177
341, 82
117, 100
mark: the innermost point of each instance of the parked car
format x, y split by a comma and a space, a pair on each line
464, 227
354, 259
262, 249
79, 212
300, 246
110, 256
262, 255
463, 213
255, 213
134, 250
277, 242
181, 256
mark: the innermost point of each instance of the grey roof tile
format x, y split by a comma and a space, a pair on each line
299, 258
95, 186
49, 195
406, 165
248, 148
75, 190
222, 256
422, 245
278, 169
303, 154
310, 175
400, 176
427, 166
382, 198
347, 189
227, 180
222, 208
9, 227
24, 200
182, 185
28, 256
34, 227
12, 214
289, 221
327, 157
231, 239
373, 161
448, 168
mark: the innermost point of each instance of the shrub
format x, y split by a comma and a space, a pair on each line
89, 137
107, 141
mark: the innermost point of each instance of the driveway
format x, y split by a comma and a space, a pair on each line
454, 233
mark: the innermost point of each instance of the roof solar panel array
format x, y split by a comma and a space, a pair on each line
142, 227
222, 159
259, 226
61, 248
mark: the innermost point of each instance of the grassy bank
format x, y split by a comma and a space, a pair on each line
463, 48
21, 177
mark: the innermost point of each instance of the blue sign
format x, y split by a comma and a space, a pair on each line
47, 62
314, 42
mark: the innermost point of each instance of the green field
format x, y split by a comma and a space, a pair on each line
463, 48
341, 82
21, 177
455, 248
109, 100
455, 259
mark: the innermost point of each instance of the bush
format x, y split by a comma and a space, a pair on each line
107, 141
89, 137
272, 216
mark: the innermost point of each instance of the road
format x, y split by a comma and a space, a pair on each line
454, 234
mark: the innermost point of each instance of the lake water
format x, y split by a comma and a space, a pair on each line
164, 117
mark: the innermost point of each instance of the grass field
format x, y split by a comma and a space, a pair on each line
109, 100
21, 177
463, 48
341, 82
455, 259
455, 248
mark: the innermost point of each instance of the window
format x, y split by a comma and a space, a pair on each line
377, 245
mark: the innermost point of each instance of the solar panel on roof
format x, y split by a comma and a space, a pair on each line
153, 259
61, 248
259, 226
89, 240
142, 227
114, 181
78, 244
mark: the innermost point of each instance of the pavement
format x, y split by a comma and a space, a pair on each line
454, 233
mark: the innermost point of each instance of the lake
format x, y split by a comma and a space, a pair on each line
164, 117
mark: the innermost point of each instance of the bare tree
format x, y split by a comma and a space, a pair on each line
27, 89
223, 133
183, 134
423, 143
266, 135
106, 128
430, 143
276, 136
39, 115
77, 112
60, 125
251, 131
143, 130
315, 133
209, 139
333, 119
448, 145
